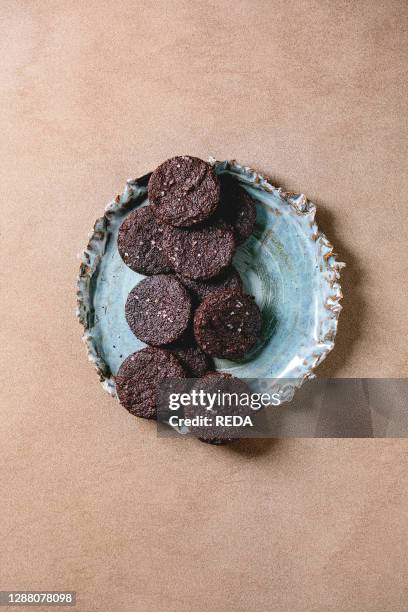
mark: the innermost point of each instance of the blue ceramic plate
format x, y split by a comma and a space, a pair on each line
288, 265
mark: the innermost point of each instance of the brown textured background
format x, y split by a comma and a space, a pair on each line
312, 93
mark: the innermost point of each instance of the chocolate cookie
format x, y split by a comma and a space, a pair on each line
158, 310
230, 279
194, 361
227, 324
237, 208
139, 376
231, 399
140, 243
199, 253
183, 191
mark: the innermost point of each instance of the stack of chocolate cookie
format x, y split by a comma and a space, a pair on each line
191, 306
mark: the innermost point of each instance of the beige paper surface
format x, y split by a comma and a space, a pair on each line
312, 93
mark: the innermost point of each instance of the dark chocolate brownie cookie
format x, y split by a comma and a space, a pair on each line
237, 208
227, 324
158, 310
194, 360
199, 253
230, 279
219, 385
140, 243
183, 191
138, 378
